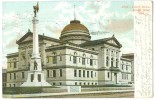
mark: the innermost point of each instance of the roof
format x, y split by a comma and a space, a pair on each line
12, 55
75, 25
40, 37
128, 56
94, 42
100, 41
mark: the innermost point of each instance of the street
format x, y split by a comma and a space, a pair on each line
95, 95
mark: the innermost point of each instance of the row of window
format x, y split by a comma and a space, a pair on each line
12, 64
54, 73
112, 52
84, 73
112, 62
89, 61
13, 85
79, 83
125, 67
124, 76
84, 83
14, 75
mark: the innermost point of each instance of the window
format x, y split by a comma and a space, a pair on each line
75, 74
122, 76
74, 59
53, 83
83, 61
23, 75
48, 74
47, 59
107, 50
112, 52
84, 83
107, 61
79, 73
14, 75
91, 74
60, 58
10, 85
15, 65
83, 73
75, 83
54, 59
79, 60
127, 76
54, 73
122, 66
93, 49
39, 77
88, 83
111, 62
10, 75
60, 83
126, 67
60, 72
94, 62
87, 73
116, 53
91, 62
14, 85
70, 58
116, 62
108, 75
80, 83
32, 77
95, 74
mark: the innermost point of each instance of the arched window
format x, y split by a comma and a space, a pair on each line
116, 62
111, 62
107, 50
107, 61
54, 58
75, 58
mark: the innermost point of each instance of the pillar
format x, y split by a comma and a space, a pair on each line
105, 57
109, 58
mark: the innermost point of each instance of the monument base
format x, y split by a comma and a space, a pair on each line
35, 78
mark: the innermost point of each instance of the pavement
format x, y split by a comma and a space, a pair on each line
57, 94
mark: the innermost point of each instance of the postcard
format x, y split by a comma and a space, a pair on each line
77, 49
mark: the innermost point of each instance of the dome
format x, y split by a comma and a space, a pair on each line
75, 32
75, 25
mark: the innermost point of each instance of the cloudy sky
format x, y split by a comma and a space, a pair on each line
103, 19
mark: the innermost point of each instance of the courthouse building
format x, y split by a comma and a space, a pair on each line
73, 59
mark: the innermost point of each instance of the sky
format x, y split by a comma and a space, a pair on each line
102, 18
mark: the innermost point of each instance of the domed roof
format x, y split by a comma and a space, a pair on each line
75, 32
75, 25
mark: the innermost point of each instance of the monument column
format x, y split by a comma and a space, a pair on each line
35, 75
35, 53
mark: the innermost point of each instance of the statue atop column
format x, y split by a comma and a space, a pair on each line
36, 9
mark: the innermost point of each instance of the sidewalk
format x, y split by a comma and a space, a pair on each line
54, 94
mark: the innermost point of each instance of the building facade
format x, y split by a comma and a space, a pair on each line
74, 59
